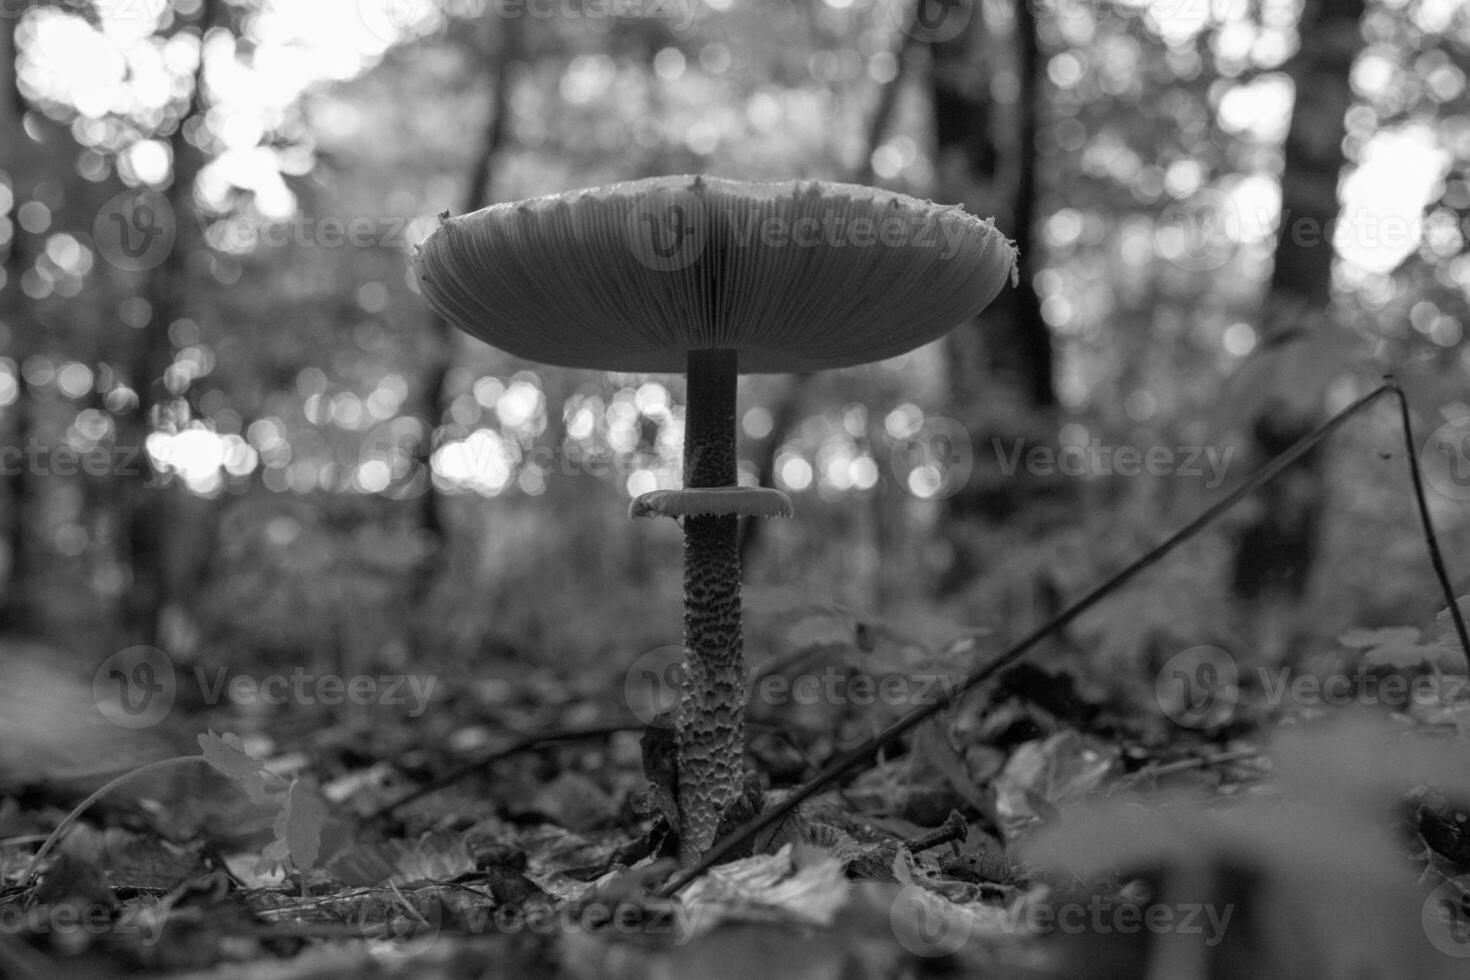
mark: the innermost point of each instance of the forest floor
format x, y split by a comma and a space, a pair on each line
1201, 819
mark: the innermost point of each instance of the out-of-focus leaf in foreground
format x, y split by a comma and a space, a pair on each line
1310, 874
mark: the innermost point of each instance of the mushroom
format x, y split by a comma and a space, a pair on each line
714, 278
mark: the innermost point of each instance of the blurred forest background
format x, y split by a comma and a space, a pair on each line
234, 431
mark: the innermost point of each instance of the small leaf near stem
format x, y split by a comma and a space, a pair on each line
215, 750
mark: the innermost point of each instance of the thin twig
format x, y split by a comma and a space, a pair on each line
1156, 772
1430, 539
954, 828
855, 757
524, 744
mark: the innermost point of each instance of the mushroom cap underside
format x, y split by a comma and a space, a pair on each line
794, 275
712, 502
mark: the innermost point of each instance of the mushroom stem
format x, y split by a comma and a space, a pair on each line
711, 731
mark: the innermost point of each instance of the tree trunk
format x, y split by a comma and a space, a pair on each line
1001, 364
17, 332
1275, 551
1012, 334
436, 398
147, 522
787, 411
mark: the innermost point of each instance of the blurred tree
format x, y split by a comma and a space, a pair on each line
986, 149
316, 374
787, 410
1285, 380
16, 153
1001, 365
477, 194
148, 522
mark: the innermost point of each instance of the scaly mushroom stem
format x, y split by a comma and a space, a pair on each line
501, 274
710, 722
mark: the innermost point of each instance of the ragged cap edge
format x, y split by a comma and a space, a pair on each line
712, 502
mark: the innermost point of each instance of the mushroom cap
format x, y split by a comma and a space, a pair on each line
794, 275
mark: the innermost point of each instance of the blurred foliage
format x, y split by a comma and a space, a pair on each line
334, 132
